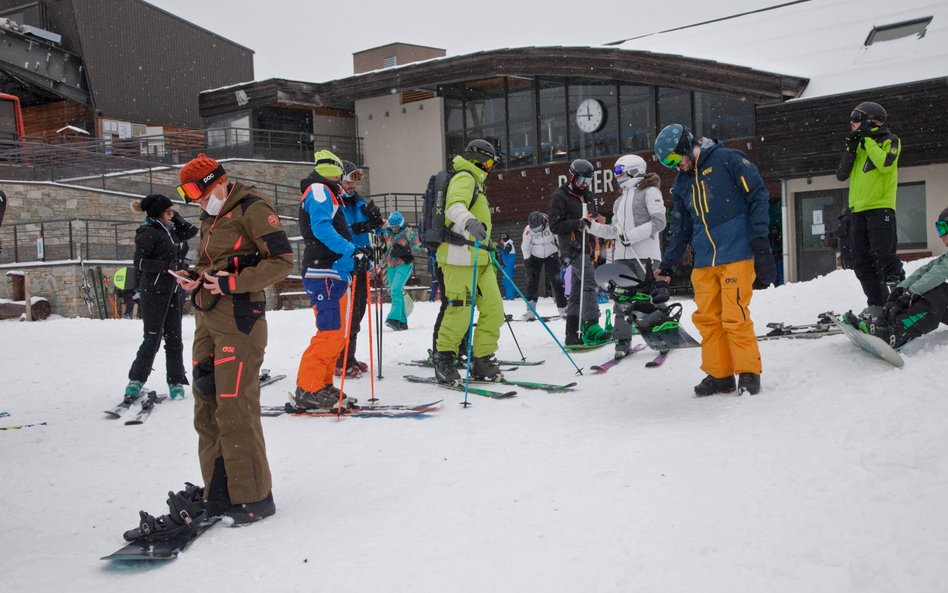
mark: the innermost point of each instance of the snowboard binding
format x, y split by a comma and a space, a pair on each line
187, 512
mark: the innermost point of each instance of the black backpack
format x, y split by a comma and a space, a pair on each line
431, 229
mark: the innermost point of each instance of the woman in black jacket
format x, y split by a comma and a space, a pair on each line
160, 248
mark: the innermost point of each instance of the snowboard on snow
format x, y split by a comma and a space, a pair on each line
871, 344
165, 549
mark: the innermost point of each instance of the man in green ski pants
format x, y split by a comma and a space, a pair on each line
467, 216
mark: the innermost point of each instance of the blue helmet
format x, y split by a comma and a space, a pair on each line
396, 219
672, 143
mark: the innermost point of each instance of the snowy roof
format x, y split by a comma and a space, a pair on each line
823, 40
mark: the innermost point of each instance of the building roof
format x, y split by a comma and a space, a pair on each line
822, 40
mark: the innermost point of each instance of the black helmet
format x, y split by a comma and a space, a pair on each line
580, 172
482, 153
537, 220
870, 111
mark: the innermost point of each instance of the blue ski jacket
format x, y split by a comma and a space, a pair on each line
719, 206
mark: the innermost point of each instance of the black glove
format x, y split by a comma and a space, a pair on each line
660, 292
361, 260
899, 300
477, 229
764, 264
374, 215
177, 219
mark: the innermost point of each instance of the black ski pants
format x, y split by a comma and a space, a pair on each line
535, 266
359, 303
929, 310
161, 319
873, 237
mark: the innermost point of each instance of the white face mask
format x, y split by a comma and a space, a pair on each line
214, 205
631, 182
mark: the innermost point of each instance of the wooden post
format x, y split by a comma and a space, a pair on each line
27, 296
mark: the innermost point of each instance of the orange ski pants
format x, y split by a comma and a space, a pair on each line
330, 299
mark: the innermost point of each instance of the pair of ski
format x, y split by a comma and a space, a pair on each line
148, 399
476, 386
373, 411
600, 369
823, 327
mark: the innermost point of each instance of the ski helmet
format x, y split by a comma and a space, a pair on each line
629, 169
537, 221
351, 171
482, 153
672, 143
867, 110
396, 219
580, 172
941, 225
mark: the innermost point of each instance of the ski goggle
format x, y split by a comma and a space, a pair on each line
620, 170
356, 175
941, 227
857, 116
191, 191
672, 160
581, 180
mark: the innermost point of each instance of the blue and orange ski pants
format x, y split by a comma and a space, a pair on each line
330, 300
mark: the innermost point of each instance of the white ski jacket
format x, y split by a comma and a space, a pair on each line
637, 220
541, 244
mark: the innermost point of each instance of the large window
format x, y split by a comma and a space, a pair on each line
722, 117
636, 118
553, 137
485, 112
674, 107
454, 138
605, 141
521, 109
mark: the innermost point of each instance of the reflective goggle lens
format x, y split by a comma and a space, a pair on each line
580, 180
672, 160
618, 170
190, 191
856, 116
353, 176
489, 164
941, 226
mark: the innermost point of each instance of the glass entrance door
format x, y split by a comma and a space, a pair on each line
816, 214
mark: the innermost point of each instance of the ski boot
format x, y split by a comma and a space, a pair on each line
444, 367
393, 325
187, 511
528, 315
486, 368
326, 398
572, 331
251, 512
595, 334
623, 347
361, 365
712, 385
749, 382
175, 391
352, 371
134, 389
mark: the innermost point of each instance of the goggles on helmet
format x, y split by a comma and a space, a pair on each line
581, 180
856, 116
356, 175
941, 226
672, 160
620, 170
191, 191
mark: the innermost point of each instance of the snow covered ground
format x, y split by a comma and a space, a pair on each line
833, 479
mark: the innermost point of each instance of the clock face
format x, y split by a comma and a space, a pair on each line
591, 115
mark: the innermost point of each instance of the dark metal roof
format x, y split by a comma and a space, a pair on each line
586, 63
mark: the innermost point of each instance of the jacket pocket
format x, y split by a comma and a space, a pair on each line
247, 312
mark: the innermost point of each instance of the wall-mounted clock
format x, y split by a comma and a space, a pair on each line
591, 115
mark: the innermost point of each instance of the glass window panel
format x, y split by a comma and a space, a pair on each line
723, 117
636, 118
453, 115
674, 107
485, 112
552, 122
521, 108
606, 140
911, 220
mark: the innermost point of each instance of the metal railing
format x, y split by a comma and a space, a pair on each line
410, 205
63, 239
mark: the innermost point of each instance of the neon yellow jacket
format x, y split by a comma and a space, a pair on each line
873, 172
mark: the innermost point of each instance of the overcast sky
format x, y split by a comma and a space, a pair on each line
313, 41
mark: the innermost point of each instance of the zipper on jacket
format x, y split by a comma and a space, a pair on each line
696, 202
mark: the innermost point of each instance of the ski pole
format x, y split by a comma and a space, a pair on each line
514, 336
579, 371
470, 324
582, 283
350, 290
368, 298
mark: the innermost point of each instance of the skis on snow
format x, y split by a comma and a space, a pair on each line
491, 393
599, 369
147, 398
148, 405
658, 360
378, 411
267, 379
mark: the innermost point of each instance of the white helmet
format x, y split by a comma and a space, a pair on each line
629, 170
